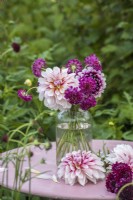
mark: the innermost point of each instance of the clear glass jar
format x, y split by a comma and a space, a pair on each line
73, 132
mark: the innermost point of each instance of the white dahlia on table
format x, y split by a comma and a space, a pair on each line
81, 166
122, 153
52, 86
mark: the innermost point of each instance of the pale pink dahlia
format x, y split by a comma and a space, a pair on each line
80, 167
52, 86
121, 153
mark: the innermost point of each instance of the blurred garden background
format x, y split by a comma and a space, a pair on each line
58, 30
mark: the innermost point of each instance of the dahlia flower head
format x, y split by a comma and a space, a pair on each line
121, 153
52, 86
81, 167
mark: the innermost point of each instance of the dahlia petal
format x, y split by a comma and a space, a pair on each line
100, 168
41, 80
56, 70
49, 71
40, 89
41, 96
92, 179
82, 181
58, 93
70, 181
49, 93
44, 74
60, 173
79, 173
62, 90
102, 175
72, 175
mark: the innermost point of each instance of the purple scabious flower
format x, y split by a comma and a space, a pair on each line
37, 66
73, 95
99, 78
74, 66
87, 85
16, 47
93, 61
23, 95
120, 175
87, 102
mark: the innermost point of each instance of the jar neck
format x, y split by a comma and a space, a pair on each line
74, 108
75, 111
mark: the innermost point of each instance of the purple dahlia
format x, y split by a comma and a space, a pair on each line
87, 85
23, 95
97, 76
37, 66
93, 61
87, 102
73, 95
74, 66
120, 175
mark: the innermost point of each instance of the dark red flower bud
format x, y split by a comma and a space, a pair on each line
4, 138
16, 47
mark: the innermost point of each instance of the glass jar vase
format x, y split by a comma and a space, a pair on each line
73, 132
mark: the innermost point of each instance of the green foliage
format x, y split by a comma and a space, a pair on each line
57, 31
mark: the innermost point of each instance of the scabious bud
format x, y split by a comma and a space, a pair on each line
28, 82
16, 47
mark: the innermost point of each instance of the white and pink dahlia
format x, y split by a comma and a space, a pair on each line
81, 166
121, 153
52, 86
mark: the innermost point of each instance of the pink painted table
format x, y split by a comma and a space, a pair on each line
48, 188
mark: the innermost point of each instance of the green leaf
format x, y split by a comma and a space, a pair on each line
110, 48
128, 135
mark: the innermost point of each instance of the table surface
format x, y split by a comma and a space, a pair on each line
48, 188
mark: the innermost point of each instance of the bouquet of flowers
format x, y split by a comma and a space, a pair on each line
69, 88
61, 88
